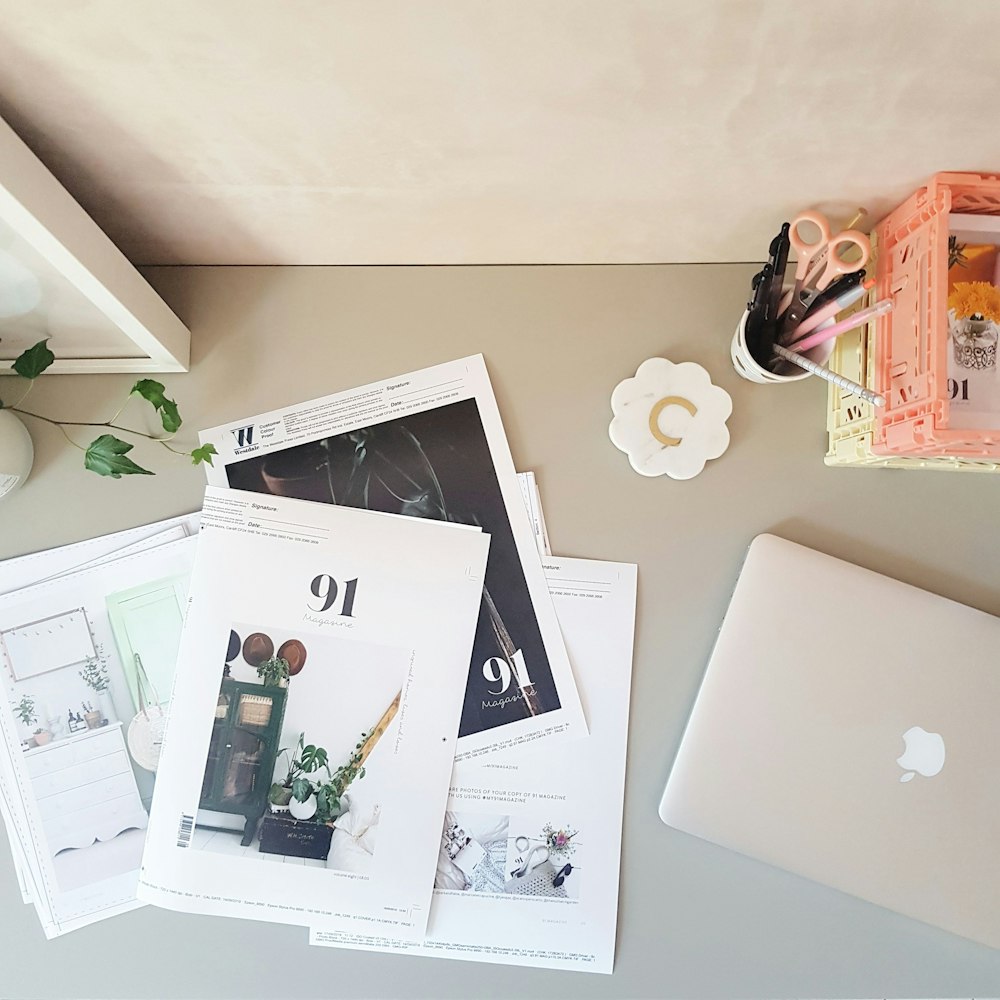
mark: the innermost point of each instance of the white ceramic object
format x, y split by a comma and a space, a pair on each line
303, 810
670, 419
16, 453
107, 706
746, 367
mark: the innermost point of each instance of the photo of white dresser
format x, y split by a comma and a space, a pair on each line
85, 788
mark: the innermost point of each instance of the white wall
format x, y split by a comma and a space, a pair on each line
56, 691
464, 131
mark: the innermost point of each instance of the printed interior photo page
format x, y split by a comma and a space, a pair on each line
315, 713
430, 445
973, 306
20, 572
528, 862
87, 668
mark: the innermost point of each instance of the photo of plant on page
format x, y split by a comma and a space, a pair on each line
430, 445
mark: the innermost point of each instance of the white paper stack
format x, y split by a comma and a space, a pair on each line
363, 693
75, 803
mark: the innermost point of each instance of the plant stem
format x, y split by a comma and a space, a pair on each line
79, 447
118, 412
91, 423
31, 385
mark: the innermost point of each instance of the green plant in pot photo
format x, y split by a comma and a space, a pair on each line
306, 759
273, 671
25, 710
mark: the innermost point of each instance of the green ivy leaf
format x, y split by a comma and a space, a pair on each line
203, 454
301, 789
153, 392
107, 457
34, 361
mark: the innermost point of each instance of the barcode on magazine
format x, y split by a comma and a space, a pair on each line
185, 830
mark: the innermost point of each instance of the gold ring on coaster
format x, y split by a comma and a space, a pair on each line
658, 408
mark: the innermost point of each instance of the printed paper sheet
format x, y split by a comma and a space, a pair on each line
373, 616
529, 858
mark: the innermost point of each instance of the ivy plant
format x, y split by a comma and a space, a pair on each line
329, 794
107, 455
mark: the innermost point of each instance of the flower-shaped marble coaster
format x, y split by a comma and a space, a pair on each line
670, 419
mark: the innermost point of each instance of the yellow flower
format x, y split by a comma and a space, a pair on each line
975, 298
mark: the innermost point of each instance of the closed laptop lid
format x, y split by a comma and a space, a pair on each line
848, 729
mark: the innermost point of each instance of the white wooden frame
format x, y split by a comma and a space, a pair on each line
75, 615
43, 213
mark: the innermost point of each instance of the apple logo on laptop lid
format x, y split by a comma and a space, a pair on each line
923, 753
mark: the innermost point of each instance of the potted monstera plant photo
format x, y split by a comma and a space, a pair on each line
295, 793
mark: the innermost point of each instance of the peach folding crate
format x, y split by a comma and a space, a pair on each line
851, 421
910, 357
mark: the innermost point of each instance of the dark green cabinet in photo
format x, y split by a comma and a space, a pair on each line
244, 747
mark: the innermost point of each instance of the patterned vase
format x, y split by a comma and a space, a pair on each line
975, 343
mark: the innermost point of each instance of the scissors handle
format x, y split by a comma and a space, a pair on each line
833, 264
807, 250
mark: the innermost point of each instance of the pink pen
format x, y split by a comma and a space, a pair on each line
840, 303
853, 321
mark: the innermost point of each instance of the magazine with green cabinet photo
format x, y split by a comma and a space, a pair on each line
315, 712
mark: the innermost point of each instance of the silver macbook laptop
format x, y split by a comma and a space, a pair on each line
848, 729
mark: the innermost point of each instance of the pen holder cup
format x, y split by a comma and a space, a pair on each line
748, 368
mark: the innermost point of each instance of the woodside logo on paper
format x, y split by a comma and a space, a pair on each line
244, 440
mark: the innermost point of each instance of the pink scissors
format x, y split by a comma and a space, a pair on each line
819, 261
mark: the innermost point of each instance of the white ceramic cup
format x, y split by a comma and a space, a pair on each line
748, 368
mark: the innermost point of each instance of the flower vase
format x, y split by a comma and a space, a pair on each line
975, 344
16, 453
107, 706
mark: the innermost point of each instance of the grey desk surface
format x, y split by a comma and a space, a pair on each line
695, 920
